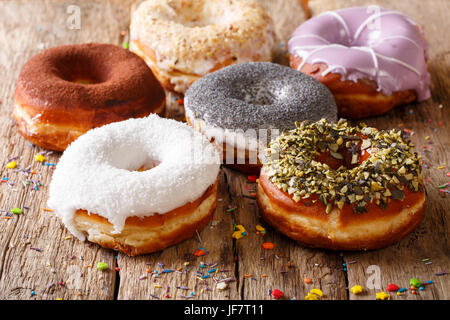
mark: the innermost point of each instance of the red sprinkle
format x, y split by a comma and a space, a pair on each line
199, 252
180, 102
252, 178
268, 245
277, 294
392, 287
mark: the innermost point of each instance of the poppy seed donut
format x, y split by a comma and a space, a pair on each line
242, 105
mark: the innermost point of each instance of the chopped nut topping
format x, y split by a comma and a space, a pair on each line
392, 165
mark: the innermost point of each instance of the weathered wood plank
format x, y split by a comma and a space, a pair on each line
287, 265
27, 28
138, 277
429, 123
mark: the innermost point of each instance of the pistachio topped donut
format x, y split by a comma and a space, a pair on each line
241, 106
137, 186
340, 187
182, 40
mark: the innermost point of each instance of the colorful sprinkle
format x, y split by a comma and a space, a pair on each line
277, 294
102, 266
268, 245
382, 296
414, 282
392, 287
39, 158
356, 289
16, 211
11, 165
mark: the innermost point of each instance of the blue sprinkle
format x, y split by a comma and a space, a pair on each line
212, 270
420, 288
402, 290
206, 276
167, 270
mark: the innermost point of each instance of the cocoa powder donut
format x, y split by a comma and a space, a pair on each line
64, 91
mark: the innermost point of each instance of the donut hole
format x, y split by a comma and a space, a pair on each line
82, 70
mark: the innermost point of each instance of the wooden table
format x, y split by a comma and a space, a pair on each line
40, 260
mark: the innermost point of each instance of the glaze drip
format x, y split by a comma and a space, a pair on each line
366, 42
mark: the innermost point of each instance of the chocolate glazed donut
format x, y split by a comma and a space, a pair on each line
67, 90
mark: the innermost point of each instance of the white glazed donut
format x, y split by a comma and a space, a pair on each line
103, 189
182, 41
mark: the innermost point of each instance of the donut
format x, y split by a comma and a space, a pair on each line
136, 186
339, 187
183, 40
372, 59
241, 106
64, 91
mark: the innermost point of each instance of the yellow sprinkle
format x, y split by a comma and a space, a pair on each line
58, 298
11, 165
383, 296
240, 227
311, 296
39, 158
259, 228
317, 292
68, 237
237, 235
356, 289
156, 286
441, 167
186, 263
427, 138
203, 290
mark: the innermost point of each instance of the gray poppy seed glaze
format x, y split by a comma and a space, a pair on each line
259, 95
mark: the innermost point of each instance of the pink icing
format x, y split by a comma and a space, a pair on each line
366, 42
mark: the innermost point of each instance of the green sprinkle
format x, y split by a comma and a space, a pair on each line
102, 266
231, 209
16, 211
126, 45
415, 282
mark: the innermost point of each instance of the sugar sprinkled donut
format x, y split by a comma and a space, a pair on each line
240, 105
100, 192
64, 91
184, 40
371, 58
340, 187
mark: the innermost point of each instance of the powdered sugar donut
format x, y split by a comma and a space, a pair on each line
137, 186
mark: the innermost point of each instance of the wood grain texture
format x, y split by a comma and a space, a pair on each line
428, 121
23, 270
27, 28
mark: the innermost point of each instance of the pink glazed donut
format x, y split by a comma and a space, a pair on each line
372, 59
